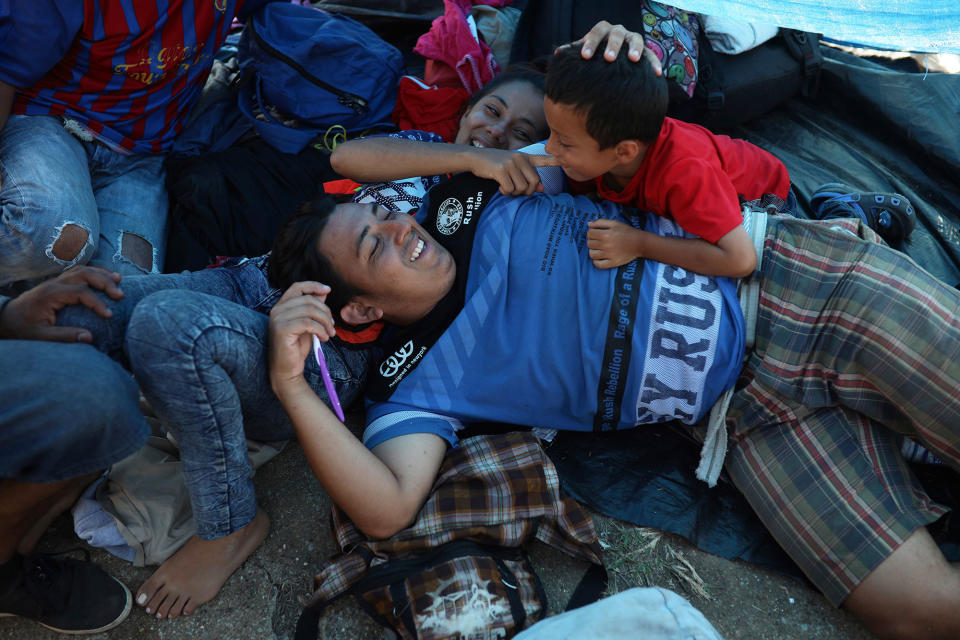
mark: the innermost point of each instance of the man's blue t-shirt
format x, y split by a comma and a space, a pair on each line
546, 339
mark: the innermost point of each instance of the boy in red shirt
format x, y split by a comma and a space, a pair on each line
609, 132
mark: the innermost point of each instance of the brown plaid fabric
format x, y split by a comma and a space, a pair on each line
496, 489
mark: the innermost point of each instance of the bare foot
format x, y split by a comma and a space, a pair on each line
195, 573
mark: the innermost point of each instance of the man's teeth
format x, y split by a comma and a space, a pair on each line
416, 250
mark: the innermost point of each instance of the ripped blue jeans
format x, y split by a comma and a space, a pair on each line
196, 343
112, 206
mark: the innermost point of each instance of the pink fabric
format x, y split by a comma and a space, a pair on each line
450, 41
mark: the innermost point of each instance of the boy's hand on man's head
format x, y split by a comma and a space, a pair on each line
616, 36
516, 172
612, 243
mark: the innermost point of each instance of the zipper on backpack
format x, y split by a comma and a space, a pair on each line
349, 100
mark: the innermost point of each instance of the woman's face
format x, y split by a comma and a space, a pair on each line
509, 117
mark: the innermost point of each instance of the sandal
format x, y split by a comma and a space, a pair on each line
889, 214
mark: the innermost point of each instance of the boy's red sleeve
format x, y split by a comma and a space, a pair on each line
701, 199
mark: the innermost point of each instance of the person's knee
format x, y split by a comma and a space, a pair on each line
137, 250
70, 242
170, 312
48, 250
170, 322
913, 594
934, 619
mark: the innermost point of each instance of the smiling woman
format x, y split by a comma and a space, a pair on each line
504, 116
507, 113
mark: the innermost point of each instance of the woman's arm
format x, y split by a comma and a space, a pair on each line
378, 159
381, 158
380, 491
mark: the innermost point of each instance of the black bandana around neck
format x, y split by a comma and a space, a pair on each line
453, 209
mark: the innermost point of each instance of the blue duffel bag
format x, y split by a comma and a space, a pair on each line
306, 72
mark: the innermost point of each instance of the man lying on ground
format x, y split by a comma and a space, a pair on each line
498, 314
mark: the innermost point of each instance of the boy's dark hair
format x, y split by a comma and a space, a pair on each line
531, 73
620, 100
295, 256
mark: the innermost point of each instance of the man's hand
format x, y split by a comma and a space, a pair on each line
33, 314
516, 172
611, 243
616, 36
300, 313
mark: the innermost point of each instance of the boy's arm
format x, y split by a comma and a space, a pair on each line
378, 159
380, 491
612, 243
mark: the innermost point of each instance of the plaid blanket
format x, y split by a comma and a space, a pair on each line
497, 490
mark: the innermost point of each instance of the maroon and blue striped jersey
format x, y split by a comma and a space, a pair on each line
128, 71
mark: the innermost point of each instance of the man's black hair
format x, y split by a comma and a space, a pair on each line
620, 100
295, 256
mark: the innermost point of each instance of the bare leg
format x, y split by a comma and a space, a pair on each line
27, 508
195, 574
61, 503
914, 593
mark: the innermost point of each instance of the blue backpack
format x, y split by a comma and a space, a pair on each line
306, 72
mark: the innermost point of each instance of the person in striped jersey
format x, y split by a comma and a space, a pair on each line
92, 95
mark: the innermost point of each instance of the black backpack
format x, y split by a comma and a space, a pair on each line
732, 89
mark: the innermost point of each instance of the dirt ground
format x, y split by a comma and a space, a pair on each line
263, 599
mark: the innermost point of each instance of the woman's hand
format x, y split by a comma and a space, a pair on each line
299, 315
616, 35
516, 172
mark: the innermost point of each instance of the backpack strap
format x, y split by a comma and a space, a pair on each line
805, 47
509, 580
401, 609
590, 588
308, 624
710, 81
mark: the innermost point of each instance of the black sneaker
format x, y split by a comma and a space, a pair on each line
66, 595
